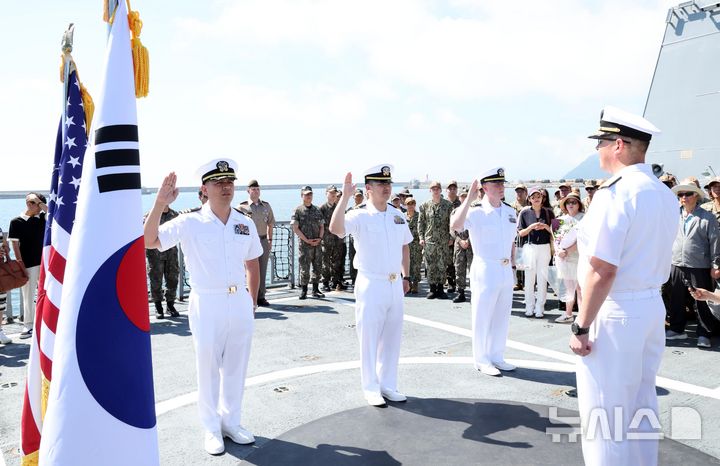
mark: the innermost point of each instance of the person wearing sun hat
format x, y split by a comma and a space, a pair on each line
492, 231
695, 251
221, 247
566, 255
625, 247
713, 191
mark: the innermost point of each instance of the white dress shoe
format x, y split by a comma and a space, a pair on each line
504, 366
393, 395
214, 443
238, 435
375, 399
4, 339
489, 369
529, 312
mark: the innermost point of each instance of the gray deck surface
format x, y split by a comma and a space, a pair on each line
303, 394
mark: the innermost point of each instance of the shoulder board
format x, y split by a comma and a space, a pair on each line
264, 202
508, 205
612, 182
239, 211
244, 202
390, 204
360, 206
189, 211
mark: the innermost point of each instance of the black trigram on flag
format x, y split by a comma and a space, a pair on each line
117, 158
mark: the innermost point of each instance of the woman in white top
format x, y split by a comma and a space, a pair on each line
566, 254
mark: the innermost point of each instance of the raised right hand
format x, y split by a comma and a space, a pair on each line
167, 192
348, 187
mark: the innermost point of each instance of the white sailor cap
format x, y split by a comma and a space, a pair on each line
492, 174
617, 122
379, 173
217, 169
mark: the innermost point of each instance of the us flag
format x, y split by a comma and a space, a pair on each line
67, 168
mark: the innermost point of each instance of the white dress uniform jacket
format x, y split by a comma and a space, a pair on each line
220, 308
631, 225
379, 238
492, 235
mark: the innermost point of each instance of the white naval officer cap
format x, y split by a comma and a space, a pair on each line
492, 174
618, 122
217, 169
379, 173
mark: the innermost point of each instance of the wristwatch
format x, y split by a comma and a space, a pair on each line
577, 330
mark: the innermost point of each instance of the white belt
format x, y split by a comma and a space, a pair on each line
232, 289
632, 295
391, 277
504, 261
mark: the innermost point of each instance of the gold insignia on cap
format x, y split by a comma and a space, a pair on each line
501, 172
386, 171
223, 166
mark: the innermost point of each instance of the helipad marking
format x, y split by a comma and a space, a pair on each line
568, 365
190, 398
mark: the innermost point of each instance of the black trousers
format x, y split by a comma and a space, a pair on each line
679, 296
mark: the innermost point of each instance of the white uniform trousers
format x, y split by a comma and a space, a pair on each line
628, 338
491, 284
27, 293
379, 320
222, 327
539, 261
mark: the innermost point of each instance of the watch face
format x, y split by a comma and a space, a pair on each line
574, 328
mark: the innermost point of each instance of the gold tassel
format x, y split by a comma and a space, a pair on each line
106, 11
31, 459
62, 68
141, 59
88, 106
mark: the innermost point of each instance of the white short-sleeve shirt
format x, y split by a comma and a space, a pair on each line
215, 253
379, 238
492, 230
632, 225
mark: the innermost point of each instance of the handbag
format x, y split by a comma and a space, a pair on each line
12, 275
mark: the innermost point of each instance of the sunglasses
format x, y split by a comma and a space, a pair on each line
685, 194
600, 141
31, 202
572, 203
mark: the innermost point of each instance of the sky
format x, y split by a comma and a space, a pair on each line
303, 91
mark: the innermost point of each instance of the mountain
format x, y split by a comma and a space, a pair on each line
587, 169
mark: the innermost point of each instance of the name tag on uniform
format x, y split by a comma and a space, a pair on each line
241, 229
399, 220
512, 219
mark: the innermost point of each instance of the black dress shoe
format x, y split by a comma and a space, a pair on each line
159, 310
263, 302
171, 309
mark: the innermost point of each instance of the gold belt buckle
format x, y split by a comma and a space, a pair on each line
505, 261
392, 277
232, 289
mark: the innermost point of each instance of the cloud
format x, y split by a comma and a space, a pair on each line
566, 49
316, 106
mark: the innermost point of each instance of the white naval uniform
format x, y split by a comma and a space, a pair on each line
492, 235
631, 225
220, 308
379, 238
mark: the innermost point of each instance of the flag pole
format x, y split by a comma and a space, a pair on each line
68, 66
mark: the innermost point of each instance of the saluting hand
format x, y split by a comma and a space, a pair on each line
473, 193
348, 187
167, 192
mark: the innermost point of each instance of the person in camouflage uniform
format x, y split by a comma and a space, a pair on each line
521, 201
308, 224
434, 233
416, 253
164, 264
333, 248
463, 255
452, 196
